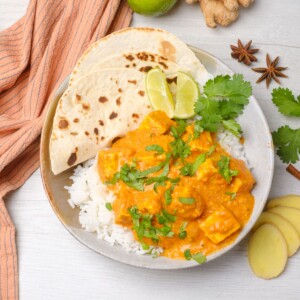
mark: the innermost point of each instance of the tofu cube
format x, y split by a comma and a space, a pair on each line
157, 122
220, 225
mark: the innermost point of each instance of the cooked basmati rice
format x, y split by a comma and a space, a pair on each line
90, 195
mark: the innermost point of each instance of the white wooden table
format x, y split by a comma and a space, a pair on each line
53, 265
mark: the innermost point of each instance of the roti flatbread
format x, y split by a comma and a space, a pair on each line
101, 107
133, 40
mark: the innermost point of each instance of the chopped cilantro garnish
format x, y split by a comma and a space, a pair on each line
211, 150
224, 169
168, 196
179, 130
198, 257
142, 225
197, 129
190, 168
182, 232
180, 149
187, 200
166, 165
108, 206
231, 194
154, 147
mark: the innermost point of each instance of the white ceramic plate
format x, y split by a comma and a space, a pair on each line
260, 153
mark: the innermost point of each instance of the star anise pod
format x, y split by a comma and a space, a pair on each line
271, 71
243, 53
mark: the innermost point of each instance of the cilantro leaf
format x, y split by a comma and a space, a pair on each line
168, 196
197, 129
224, 169
286, 102
187, 200
108, 206
179, 130
159, 149
233, 126
182, 232
180, 149
287, 142
190, 168
224, 87
211, 122
231, 194
224, 98
198, 257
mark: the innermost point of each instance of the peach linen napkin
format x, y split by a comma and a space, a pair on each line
36, 54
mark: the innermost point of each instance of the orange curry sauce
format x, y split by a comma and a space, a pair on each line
219, 210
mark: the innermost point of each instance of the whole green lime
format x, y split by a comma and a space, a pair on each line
151, 7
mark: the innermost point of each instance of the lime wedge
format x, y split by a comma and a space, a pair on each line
187, 94
159, 93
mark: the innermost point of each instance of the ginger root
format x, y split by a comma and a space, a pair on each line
222, 12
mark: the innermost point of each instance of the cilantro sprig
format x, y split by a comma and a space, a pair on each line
224, 98
287, 142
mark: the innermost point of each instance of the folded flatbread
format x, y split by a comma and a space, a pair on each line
101, 107
133, 40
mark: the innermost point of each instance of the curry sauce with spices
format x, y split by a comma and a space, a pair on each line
184, 201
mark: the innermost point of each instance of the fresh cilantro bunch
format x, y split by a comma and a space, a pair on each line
286, 139
224, 98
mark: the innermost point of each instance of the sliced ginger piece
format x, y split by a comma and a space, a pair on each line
289, 213
288, 231
267, 252
288, 200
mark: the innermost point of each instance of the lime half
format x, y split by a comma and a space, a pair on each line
187, 94
159, 93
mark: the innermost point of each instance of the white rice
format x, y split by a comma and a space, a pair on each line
90, 195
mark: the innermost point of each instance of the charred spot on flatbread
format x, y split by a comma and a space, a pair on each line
135, 116
101, 123
145, 69
85, 106
77, 98
96, 131
102, 138
74, 133
113, 115
115, 139
63, 124
127, 66
129, 57
170, 80
86, 133
120, 90
76, 120
142, 56
102, 99
118, 101
132, 82
72, 159
141, 93
163, 64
